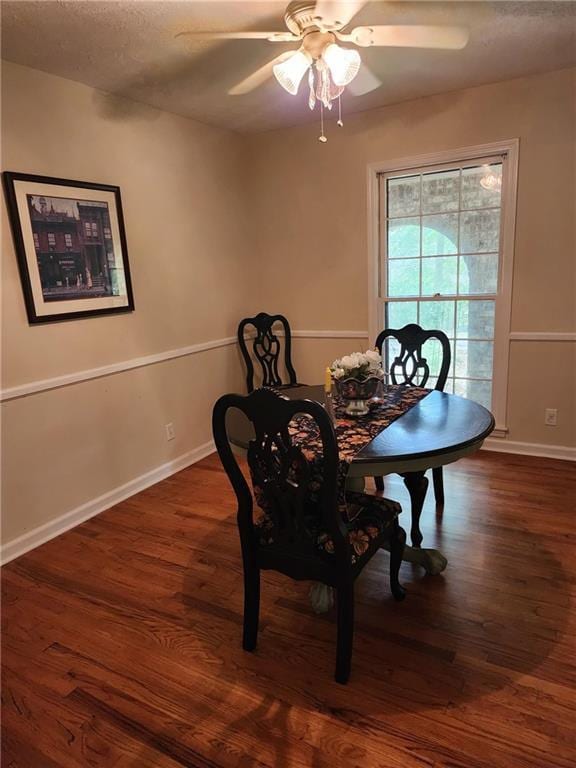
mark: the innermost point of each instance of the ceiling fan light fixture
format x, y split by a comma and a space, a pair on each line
289, 73
343, 63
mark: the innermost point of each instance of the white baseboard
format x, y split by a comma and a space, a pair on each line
500, 445
74, 517
43, 533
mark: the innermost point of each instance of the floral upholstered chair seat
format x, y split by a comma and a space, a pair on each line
369, 517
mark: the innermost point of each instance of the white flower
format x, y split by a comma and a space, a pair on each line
358, 365
348, 362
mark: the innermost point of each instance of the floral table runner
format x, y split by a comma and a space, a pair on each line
352, 434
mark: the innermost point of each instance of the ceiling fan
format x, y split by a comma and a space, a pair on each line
319, 27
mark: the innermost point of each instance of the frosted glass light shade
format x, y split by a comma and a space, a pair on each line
289, 73
343, 63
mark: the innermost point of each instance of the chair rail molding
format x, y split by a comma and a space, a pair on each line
542, 336
77, 377
330, 334
33, 387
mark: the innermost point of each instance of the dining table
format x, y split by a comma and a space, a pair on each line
439, 429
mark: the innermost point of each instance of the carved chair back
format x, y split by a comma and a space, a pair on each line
266, 348
295, 497
410, 366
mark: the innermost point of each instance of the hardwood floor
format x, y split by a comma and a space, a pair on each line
121, 639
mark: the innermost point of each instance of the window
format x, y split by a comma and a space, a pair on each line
94, 229
51, 240
107, 233
36, 241
87, 229
443, 260
68, 240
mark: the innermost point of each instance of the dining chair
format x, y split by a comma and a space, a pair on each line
410, 366
266, 348
297, 518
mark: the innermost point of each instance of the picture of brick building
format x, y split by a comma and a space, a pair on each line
74, 248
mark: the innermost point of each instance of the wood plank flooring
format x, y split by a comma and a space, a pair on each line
121, 639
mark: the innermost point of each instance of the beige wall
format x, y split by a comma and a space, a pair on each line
186, 223
205, 248
311, 203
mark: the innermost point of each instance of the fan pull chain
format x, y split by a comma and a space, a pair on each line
339, 121
322, 138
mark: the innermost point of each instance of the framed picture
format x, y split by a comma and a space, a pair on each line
71, 247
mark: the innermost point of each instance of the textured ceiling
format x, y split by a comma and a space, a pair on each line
129, 48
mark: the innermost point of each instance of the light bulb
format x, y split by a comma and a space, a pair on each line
490, 181
289, 73
343, 63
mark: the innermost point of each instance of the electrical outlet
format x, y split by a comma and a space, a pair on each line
550, 417
170, 433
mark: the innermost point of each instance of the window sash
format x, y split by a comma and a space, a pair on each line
506, 152
384, 218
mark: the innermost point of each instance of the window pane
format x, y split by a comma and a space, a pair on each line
439, 275
432, 351
443, 238
404, 277
438, 315
400, 313
473, 358
404, 196
440, 191
440, 234
479, 231
478, 274
403, 238
480, 391
475, 319
474, 194
390, 350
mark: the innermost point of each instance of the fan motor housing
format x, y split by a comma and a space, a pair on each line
300, 18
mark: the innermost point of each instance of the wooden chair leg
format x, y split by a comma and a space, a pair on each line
345, 608
251, 607
379, 483
397, 543
438, 480
417, 485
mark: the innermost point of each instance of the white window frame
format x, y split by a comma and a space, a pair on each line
507, 151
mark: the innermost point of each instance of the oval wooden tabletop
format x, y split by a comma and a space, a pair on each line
439, 424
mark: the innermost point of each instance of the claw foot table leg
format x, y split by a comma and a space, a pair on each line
321, 597
431, 560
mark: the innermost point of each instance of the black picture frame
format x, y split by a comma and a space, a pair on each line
25, 257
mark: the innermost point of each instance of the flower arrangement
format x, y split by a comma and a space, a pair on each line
358, 365
357, 377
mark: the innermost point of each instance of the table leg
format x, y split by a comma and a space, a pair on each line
431, 560
321, 597
417, 485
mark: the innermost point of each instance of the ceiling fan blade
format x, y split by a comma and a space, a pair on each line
364, 82
258, 77
335, 14
414, 36
275, 37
